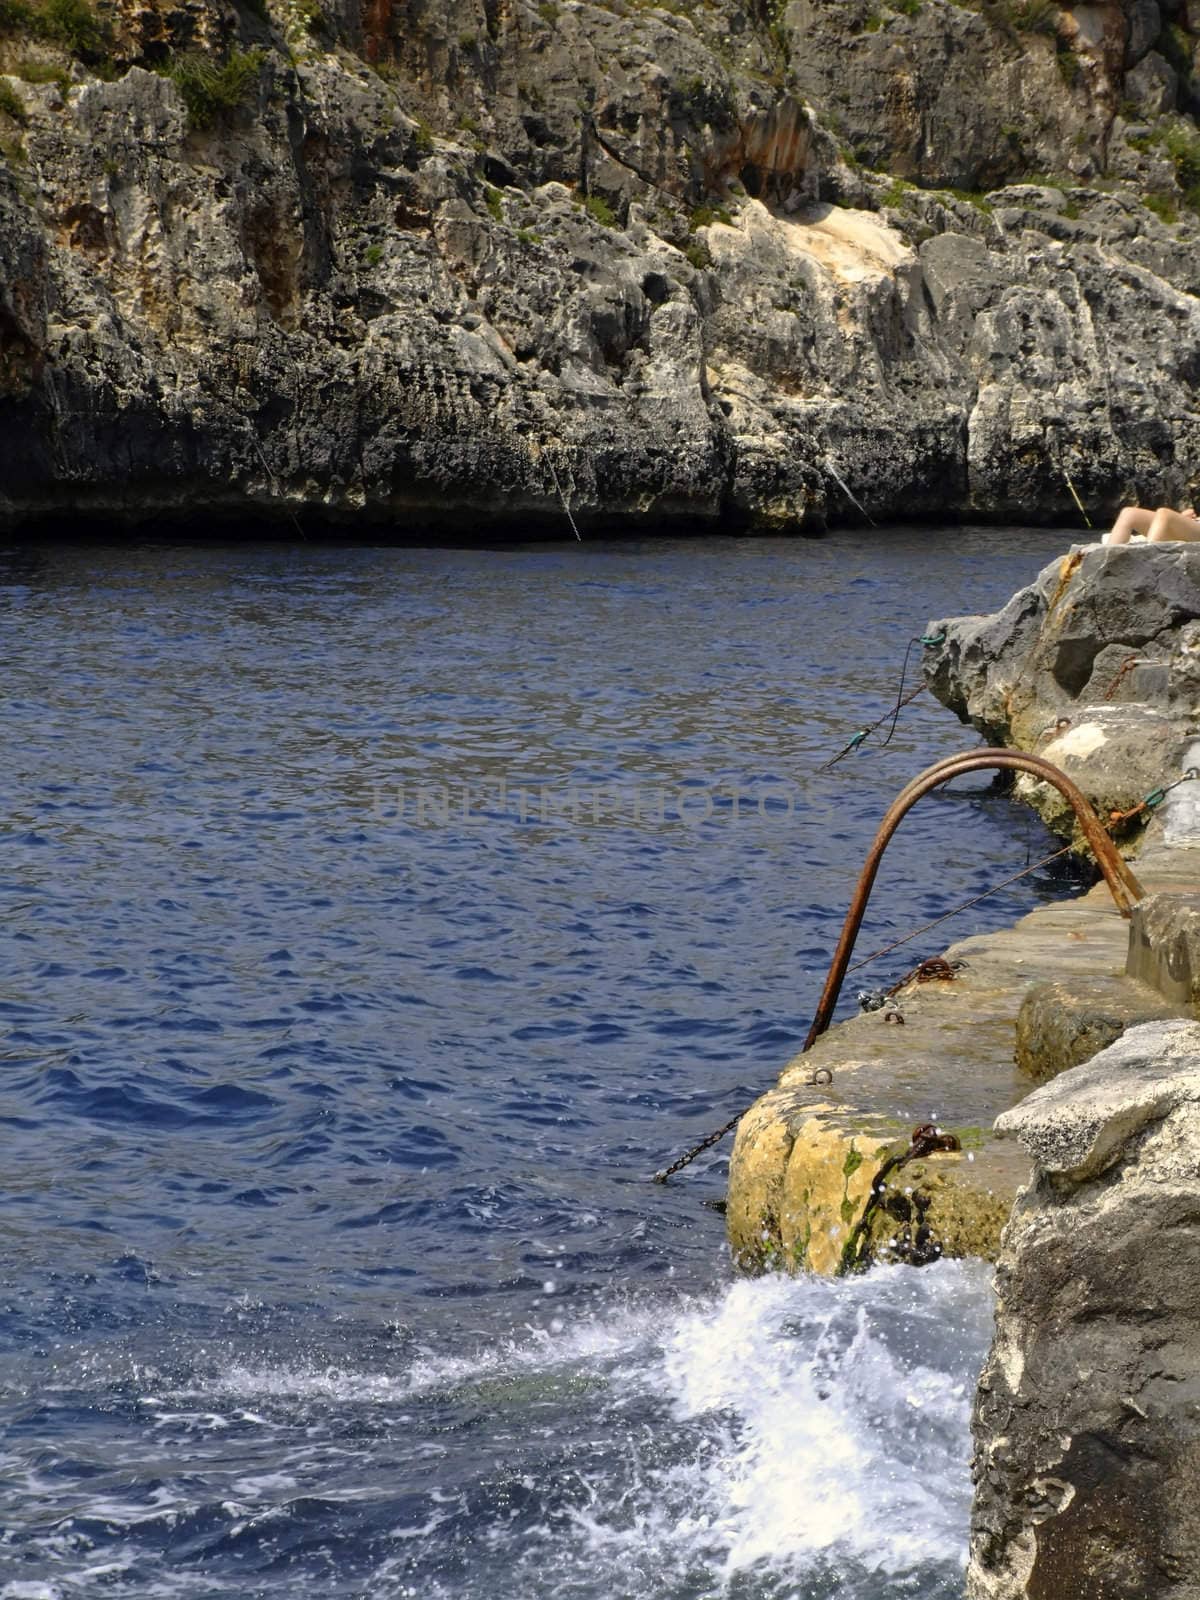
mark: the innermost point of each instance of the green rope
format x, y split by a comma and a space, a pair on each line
892, 716
1157, 796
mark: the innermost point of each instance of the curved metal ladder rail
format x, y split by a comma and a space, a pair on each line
1121, 880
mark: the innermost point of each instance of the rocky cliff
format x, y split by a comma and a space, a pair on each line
772, 264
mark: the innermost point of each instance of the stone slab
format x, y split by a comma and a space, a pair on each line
1164, 947
1065, 1021
1076, 1124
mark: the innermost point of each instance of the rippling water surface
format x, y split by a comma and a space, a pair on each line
375, 922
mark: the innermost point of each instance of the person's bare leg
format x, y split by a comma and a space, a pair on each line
1134, 519
1167, 525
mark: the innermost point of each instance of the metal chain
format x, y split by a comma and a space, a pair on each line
933, 969
697, 1150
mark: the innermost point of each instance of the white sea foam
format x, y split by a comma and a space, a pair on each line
837, 1441
590, 1342
779, 1437
816, 1427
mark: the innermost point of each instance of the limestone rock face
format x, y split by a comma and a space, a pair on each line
433, 261
1115, 754
960, 95
1093, 666
1087, 1418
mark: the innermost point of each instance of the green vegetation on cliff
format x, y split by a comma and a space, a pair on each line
210, 90
71, 24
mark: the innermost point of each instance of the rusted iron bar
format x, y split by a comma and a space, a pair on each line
1121, 880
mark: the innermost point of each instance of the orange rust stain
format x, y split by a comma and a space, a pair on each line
377, 29
1067, 571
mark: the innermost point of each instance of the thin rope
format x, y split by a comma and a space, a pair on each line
1075, 497
966, 906
279, 495
899, 694
566, 505
902, 700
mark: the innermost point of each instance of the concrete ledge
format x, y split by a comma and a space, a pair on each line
1164, 948
806, 1153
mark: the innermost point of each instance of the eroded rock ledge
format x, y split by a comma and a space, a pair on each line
1087, 1423
757, 264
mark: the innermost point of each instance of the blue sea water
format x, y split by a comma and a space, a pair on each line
375, 922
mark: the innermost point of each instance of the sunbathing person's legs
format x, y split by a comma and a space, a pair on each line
1134, 519
1168, 524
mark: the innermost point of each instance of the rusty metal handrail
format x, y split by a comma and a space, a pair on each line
1122, 882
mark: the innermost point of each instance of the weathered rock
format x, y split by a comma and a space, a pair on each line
981, 661
1074, 1127
1062, 1023
1116, 755
1164, 947
1014, 674
1087, 1439
1183, 673
950, 95
1055, 672
1145, 27
1153, 86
